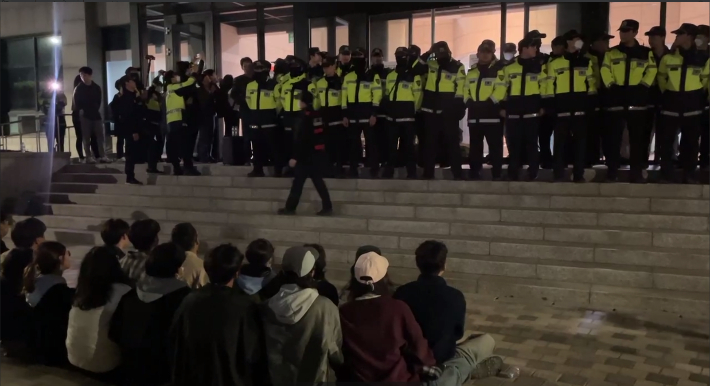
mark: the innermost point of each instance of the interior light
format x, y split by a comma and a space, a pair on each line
55, 86
56, 40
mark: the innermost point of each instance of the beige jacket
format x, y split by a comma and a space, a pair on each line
193, 271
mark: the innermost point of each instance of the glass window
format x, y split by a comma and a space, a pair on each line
49, 61
544, 19
464, 30
388, 35
647, 14
156, 47
319, 38
514, 24
421, 30
279, 32
341, 34
18, 60
685, 12
237, 43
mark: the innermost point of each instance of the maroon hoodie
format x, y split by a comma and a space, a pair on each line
382, 342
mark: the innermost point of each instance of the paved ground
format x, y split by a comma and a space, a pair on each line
550, 345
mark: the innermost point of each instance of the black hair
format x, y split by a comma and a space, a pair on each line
5, 217
259, 252
431, 257
165, 260
208, 72
13, 268
319, 267
99, 271
144, 234
47, 260
86, 70
27, 231
113, 231
302, 282
223, 263
227, 83
358, 289
245, 59
77, 80
184, 235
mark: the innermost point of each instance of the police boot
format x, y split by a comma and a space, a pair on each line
256, 173
388, 173
636, 177
689, 178
474, 176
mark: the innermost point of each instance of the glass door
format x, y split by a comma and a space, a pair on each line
190, 38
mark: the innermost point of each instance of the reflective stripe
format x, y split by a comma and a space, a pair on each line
404, 120
363, 121
173, 111
688, 114
632, 108
524, 116
381, 116
262, 126
576, 114
618, 108
693, 113
288, 128
334, 123
471, 121
489, 120
424, 109
596, 109
670, 113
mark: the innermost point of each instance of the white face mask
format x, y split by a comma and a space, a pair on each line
698, 42
508, 55
578, 44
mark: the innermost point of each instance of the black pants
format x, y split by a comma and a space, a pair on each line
493, 134
206, 139
79, 142
522, 134
314, 171
570, 130
264, 141
138, 152
336, 145
653, 116
705, 139
635, 122
179, 145
547, 127
420, 128
689, 136
120, 145
383, 141
446, 127
55, 134
594, 137
247, 133
156, 143
401, 133
284, 147
355, 129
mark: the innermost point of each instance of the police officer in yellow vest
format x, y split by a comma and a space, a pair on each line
362, 93
547, 122
290, 93
179, 145
483, 92
344, 61
525, 81
443, 106
264, 101
571, 84
400, 102
329, 103
683, 79
628, 71
281, 71
598, 46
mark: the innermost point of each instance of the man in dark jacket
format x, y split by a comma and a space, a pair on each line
238, 94
309, 157
87, 101
206, 99
142, 328
217, 336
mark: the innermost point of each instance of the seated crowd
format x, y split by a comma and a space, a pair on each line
159, 315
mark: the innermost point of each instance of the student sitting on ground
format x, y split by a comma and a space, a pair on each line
47, 293
360, 251
257, 273
115, 235
5, 227
144, 237
28, 233
325, 288
143, 318
15, 313
185, 236
303, 337
440, 310
217, 336
99, 289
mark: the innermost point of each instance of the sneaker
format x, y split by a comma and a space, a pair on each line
487, 368
474, 176
256, 174
104, 160
325, 212
121, 160
192, 172
286, 212
90, 160
133, 181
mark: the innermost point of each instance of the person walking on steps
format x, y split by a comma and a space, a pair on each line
309, 157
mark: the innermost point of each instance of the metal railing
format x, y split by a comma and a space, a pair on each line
25, 138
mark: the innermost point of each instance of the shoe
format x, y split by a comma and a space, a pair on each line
411, 176
286, 212
154, 171
498, 178
637, 180
559, 180
177, 171
611, 179
325, 212
133, 181
690, 180
388, 173
474, 176
90, 161
354, 175
120, 160
192, 172
104, 160
579, 180
489, 367
256, 174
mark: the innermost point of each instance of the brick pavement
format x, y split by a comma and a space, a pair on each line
550, 345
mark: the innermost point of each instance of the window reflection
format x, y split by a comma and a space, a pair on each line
647, 14
544, 19
421, 30
464, 30
514, 23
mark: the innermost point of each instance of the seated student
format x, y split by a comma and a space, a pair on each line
217, 335
15, 313
49, 296
257, 273
440, 310
143, 318
184, 235
144, 237
28, 233
360, 251
5, 226
115, 234
325, 288
303, 337
99, 289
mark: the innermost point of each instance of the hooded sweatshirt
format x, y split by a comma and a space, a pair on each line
252, 279
142, 326
303, 336
51, 302
133, 265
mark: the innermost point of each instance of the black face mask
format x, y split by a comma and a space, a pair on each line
442, 60
402, 61
358, 63
295, 72
378, 66
261, 76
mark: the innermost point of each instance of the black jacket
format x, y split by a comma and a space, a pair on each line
308, 142
15, 316
50, 321
239, 91
218, 339
131, 111
87, 98
439, 309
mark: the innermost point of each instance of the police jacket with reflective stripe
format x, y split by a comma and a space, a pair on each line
628, 72
570, 81
175, 101
290, 94
444, 87
484, 90
402, 94
362, 93
525, 83
264, 103
328, 99
683, 78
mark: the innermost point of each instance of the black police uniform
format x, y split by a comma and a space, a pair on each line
381, 124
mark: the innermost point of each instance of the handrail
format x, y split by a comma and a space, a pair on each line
38, 129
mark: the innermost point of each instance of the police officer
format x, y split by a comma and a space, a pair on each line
682, 77
657, 42
509, 51
290, 95
179, 144
264, 101
362, 92
315, 66
537, 37
415, 53
328, 102
400, 102
443, 106
547, 122
525, 82
598, 46
570, 83
483, 91
281, 71
377, 66
344, 58
628, 72
309, 157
